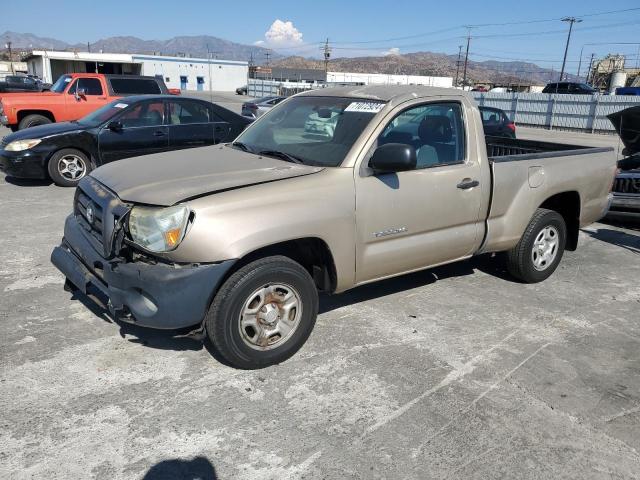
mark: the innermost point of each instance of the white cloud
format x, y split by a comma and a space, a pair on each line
281, 34
391, 51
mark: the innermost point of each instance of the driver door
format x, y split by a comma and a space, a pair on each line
142, 131
414, 219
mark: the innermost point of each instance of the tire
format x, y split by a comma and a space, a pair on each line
13, 128
33, 121
274, 288
539, 251
68, 166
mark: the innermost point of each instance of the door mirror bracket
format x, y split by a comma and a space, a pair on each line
115, 126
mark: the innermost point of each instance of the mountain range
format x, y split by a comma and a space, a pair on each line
418, 63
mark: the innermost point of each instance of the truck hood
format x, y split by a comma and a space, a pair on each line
168, 178
627, 124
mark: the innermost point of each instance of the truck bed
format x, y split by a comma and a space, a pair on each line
500, 149
526, 173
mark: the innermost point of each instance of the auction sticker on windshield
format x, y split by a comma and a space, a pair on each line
370, 107
120, 105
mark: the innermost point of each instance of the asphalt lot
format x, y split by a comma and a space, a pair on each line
456, 372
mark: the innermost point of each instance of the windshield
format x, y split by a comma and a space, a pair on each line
313, 130
60, 84
103, 114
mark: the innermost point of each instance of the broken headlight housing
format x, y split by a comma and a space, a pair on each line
158, 229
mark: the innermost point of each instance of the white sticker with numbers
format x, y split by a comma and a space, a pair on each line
120, 105
368, 107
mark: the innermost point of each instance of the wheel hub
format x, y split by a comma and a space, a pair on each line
270, 316
545, 248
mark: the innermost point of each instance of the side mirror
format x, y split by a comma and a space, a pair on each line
393, 157
81, 93
115, 126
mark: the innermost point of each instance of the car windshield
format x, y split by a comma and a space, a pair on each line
310, 130
60, 84
103, 114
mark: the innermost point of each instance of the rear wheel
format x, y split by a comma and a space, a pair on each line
68, 166
539, 251
33, 121
263, 313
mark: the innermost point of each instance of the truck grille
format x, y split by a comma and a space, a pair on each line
98, 210
627, 185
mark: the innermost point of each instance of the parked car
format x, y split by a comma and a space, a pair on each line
260, 106
132, 126
496, 123
572, 88
241, 90
72, 97
236, 240
626, 187
22, 83
628, 91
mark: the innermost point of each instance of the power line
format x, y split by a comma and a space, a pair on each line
553, 19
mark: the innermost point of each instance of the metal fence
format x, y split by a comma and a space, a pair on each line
586, 113
264, 88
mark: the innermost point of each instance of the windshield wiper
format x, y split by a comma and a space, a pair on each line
242, 146
282, 155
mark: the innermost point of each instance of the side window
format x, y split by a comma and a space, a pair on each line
92, 86
435, 130
149, 114
72, 88
489, 116
214, 117
181, 113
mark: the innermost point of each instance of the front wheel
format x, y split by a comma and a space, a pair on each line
33, 121
539, 251
68, 166
263, 313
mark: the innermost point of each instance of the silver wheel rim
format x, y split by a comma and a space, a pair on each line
72, 167
545, 248
270, 316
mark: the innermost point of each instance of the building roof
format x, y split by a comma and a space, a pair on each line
124, 57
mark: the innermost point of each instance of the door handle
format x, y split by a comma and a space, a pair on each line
467, 183
159, 133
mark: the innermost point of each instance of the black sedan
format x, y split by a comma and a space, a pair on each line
496, 123
129, 127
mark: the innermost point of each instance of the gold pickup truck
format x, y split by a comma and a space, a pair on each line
237, 240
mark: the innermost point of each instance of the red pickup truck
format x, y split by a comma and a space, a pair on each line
72, 97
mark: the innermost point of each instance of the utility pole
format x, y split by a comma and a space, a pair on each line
466, 58
590, 67
580, 61
88, 47
458, 64
10, 55
571, 21
326, 52
250, 67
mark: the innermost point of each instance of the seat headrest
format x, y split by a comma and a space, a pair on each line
435, 128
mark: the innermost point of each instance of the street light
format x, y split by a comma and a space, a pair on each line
571, 21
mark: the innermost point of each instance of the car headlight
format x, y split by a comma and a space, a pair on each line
158, 229
20, 145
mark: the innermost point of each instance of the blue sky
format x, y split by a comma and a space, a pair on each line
385, 25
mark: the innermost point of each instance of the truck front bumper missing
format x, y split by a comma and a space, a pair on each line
151, 295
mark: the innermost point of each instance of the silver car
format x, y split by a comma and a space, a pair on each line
259, 106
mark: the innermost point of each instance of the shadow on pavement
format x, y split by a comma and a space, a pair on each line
27, 182
622, 239
199, 468
484, 263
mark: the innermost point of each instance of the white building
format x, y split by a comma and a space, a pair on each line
388, 79
177, 72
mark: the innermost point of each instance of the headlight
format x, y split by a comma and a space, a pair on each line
19, 145
158, 229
